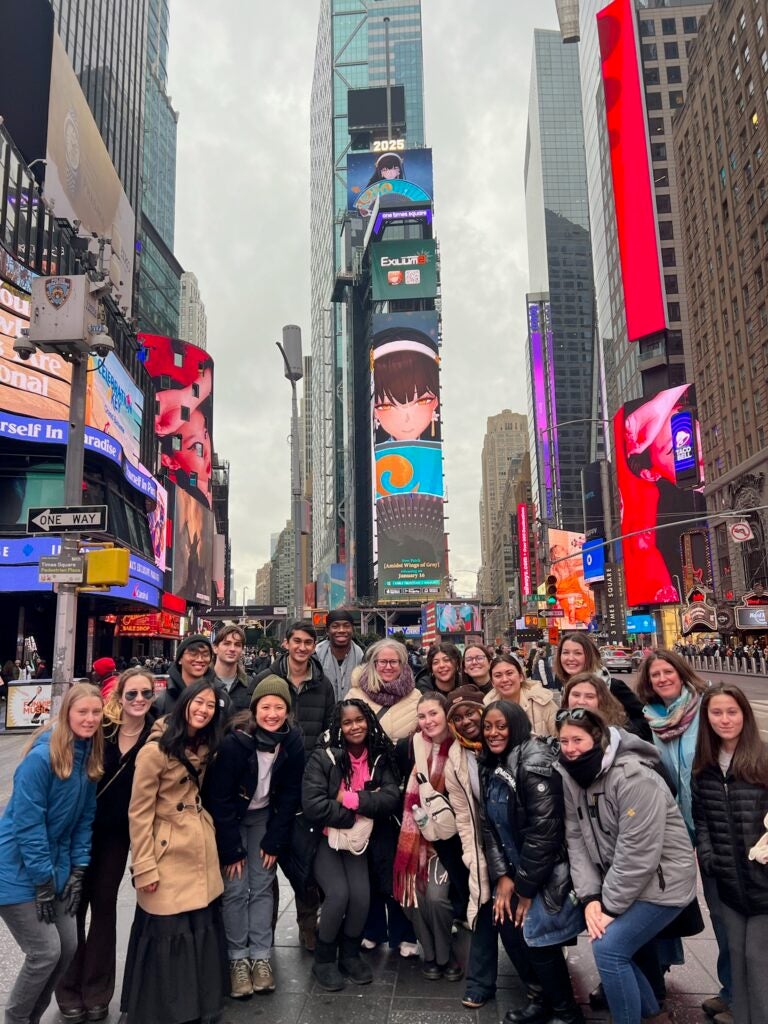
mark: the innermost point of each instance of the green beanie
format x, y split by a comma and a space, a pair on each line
271, 686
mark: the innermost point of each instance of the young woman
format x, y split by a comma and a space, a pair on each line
350, 778
86, 989
524, 836
510, 684
462, 784
385, 683
476, 667
631, 859
442, 673
589, 690
45, 847
175, 968
575, 654
730, 801
253, 791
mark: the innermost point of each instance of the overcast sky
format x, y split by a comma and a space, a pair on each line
240, 76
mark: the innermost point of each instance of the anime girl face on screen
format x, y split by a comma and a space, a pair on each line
406, 387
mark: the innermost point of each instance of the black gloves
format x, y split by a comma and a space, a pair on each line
73, 891
44, 897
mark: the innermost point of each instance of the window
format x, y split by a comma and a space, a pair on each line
760, 26
165, 382
661, 177
673, 311
655, 125
742, 22
178, 358
184, 412
746, 55
653, 100
671, 51
658, 151
663, 203
689, 24
649, 51
176, 442
193, 479
195, 390
668, 258
668, 26
647, 28
675, 98
674, 74
764, 60
737, 71
651, 76
666, 232
670, 284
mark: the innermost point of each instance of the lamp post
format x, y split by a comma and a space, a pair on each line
290, 350
245, 591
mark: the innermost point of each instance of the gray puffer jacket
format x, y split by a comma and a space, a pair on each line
626, 838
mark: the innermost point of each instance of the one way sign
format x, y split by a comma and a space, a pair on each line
68, 519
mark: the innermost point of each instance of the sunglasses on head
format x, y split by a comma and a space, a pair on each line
573, 715
131, 695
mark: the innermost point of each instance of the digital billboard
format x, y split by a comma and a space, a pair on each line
184, 420
158, 528
524, 550
592, 499
405, 269
393, 177
631, 170
593, 559
458, 618
115, 403
650, 496
544, 403
573, 594
193, 529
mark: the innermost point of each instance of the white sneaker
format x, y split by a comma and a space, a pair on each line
369, 944
408, 949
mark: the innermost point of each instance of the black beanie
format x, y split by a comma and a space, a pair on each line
339, 615
190, 640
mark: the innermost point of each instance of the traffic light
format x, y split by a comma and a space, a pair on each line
551, 590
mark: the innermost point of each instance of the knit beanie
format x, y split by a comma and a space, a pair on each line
464, 695
192, 640
271, 686
104, 666
339, 615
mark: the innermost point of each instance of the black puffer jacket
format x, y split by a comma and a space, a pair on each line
168, 697
535, 816
728, 816
380, 800
231, 782
312, 705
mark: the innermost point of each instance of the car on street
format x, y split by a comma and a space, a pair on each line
616, 659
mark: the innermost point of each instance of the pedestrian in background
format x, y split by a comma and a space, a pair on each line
105, 675
86, 988
45, 847
730, 804
175, 968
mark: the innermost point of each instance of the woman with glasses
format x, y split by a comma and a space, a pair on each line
509, 683
476, 666
87, 987
631, 858
442, 673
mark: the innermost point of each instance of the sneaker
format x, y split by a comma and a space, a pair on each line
240, 983
261, 976
408, 949
714, 1005
726, 1017
368, 944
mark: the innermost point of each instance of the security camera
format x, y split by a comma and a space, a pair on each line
102, 344
24, 348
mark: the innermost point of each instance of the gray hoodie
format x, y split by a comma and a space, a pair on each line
626, 838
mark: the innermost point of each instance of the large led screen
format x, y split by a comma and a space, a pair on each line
393, 177
573, 594
650, 496
631, 170
115, 403
192, 548
405, 269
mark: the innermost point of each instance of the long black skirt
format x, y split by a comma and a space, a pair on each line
176, 968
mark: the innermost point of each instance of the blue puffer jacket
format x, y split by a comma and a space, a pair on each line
46, 828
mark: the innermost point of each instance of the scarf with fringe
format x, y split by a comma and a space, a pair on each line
386, 694
670, 722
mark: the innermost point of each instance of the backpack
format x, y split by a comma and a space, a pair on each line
438, 820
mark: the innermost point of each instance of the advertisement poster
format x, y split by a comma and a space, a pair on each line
573, 594
28, 705
158, 528
650, 496
115, 403
395, 178
458, 618
192, 548
405, 269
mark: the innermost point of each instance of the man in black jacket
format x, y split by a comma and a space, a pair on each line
193, 662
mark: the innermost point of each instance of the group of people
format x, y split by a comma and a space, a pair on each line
402, 809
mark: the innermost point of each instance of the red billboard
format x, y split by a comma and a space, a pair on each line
631, 170
524, 548
651, 498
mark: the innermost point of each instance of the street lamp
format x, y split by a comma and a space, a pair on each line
290, 350
245, 591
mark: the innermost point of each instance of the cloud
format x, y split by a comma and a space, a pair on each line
242, 83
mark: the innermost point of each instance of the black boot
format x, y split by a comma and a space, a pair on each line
537, 1010
325, 969
567, 1013
351, 963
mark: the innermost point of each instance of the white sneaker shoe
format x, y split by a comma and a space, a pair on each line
368, 944
408, 949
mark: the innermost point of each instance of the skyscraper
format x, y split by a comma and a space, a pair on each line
562, 382
350, 54
193, 323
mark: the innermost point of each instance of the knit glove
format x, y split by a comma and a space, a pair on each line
45, 894
73, 891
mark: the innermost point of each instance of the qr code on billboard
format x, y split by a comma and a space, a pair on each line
413, 277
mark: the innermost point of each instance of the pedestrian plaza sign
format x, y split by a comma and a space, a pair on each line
68, 519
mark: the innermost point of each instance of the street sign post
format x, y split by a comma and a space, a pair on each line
552, 613
68, 519
61, 569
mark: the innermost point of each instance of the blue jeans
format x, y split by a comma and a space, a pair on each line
483, 962
627, 990
248, 901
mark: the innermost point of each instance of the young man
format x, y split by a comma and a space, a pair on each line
228, 646
339, 654
194, 661
312, 702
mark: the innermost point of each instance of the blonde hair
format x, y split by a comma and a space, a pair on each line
62, 738
113, 709
373, 677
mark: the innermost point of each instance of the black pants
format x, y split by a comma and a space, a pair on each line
541, 966
343, 877
89, 981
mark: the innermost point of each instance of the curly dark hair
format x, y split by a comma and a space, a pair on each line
377, 742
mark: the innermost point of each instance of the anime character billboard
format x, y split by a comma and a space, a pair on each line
395, 178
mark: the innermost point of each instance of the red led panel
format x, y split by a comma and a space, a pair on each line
631, 170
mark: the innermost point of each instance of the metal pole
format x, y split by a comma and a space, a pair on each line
66, 604
298, 595
389, 83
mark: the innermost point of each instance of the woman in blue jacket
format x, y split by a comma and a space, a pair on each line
45, 847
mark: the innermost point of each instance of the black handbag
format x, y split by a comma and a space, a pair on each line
297, 858
688, 922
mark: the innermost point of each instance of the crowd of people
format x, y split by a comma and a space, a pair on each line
745, 652
480, 794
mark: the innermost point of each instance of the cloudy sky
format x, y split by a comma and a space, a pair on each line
240, 76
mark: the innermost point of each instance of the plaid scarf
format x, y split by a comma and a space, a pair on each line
670, 722
474, 745
414, 853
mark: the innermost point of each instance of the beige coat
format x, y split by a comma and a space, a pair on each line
459, 789
538, 703
399, 721
173, 841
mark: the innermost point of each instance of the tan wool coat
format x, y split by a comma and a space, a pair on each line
459, 789
397, 722
173, 841
538, 703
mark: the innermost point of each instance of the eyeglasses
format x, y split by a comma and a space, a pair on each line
475, 657
387, 663
131, 695
574, 714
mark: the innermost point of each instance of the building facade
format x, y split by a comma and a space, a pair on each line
193, 323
